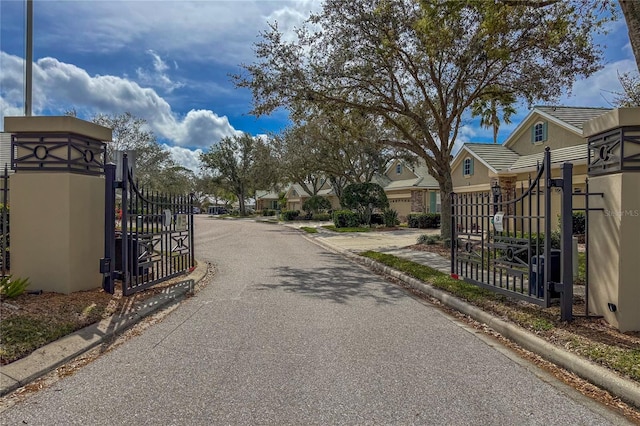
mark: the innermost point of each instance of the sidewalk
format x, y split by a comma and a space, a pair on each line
393, 242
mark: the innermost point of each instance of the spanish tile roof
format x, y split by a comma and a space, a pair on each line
499, 157
575, 116
560, 155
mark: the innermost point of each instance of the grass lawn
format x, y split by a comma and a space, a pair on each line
309, 230
357, 229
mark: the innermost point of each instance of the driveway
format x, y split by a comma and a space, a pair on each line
289, 333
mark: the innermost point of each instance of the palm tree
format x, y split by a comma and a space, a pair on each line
487, 108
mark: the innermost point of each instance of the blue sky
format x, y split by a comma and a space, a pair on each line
168, 62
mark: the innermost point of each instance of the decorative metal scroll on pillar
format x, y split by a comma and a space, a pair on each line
57, 152
614, 151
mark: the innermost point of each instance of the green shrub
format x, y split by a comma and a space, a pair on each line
289, 214
316, 204
11, 288
424, 220
268, 212
346, 219
428, 239
579, 223
321, 216
376, 219
390, 217
363, 198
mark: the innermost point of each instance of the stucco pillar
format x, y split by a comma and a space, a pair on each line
57, 202
614, 257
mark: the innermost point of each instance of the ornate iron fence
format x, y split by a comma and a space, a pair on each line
502, 240
154, 241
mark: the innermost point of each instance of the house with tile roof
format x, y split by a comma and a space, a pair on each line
409, 187
479, 166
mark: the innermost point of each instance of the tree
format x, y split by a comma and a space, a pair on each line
339, 146
176, 180
130, 133
419, 65
364, 197
315, 204
630, 95
487, 109
631, 12
232, 164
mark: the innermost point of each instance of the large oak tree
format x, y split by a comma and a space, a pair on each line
418, 66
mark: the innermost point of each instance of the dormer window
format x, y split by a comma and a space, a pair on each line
467, 167
539, 132
398, 169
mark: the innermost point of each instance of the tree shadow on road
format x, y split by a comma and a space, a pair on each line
340, 284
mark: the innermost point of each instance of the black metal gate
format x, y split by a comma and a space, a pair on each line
154, 241
502, 240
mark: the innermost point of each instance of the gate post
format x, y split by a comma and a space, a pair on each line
566, 300
57, 201
107, 265
614, 171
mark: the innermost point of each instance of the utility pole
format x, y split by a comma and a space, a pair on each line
29, 60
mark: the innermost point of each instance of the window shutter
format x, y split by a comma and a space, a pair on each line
432, 202
544, 131
471, 166
533, 133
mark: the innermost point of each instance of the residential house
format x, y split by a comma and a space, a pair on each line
410, 189
479, 166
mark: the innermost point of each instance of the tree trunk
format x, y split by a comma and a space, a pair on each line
631, 11
241, 204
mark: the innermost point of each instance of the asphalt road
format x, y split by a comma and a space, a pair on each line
289, 333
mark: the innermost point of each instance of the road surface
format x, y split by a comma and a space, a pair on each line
289, 333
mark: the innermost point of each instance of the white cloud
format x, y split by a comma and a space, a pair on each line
158, 77
198, 30
199, 128
599, 89
185, 157
58, 87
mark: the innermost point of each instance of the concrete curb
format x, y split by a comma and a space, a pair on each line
619, 386
55, 354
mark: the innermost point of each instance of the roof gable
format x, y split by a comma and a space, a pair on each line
569, 118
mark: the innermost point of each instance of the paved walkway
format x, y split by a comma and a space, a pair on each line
390, 242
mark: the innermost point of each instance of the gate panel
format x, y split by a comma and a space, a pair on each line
155, 241
502, 239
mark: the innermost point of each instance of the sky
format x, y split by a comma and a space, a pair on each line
169, 62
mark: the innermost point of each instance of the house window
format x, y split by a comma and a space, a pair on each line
438, 203
398, 169
467, 167
539, 132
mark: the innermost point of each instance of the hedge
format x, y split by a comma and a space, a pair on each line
424, 220
346, 219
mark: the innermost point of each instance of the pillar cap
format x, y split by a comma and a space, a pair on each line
614, 119
57, 124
